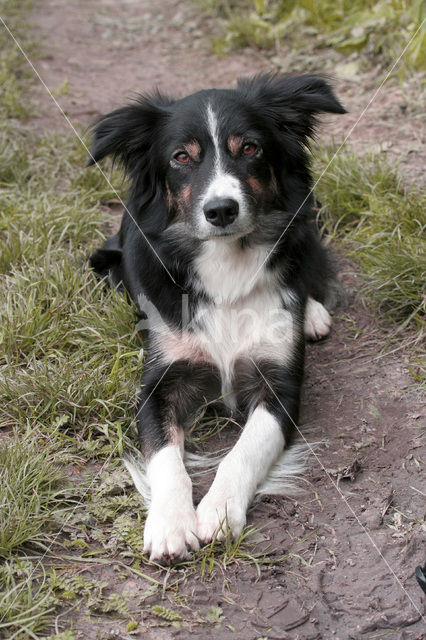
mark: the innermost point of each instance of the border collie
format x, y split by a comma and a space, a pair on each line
218, 246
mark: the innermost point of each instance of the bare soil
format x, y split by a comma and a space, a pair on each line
354, 538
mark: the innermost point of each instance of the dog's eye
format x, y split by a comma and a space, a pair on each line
182, 157
249, 148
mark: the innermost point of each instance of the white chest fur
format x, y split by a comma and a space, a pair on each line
253, 326
228, 272
244, 318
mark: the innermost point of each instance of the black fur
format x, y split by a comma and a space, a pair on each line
154, 252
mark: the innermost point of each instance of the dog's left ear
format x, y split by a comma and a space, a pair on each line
292, 102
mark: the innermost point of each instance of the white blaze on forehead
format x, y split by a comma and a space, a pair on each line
222, 184
214, 133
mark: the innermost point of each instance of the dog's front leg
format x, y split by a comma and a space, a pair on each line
164, 406
225, 505
170, 528
266, 432
169, 400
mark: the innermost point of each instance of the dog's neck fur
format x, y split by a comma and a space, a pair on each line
227, 272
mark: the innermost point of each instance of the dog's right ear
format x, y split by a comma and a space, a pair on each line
127, 133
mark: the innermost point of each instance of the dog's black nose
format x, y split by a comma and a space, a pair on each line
221, 212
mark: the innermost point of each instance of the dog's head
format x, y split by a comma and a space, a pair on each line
218, 160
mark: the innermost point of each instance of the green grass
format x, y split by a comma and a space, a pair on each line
14, 72
70, 367
27, 599
302, 29
70, 364
383, 226
69, 349
30, 492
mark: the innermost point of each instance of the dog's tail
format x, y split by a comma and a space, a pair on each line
136, 466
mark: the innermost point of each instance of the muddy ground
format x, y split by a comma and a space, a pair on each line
359, 528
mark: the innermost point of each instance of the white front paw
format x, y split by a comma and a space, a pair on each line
170, 532
317, 320
218, 514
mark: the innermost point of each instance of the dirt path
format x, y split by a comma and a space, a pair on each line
354, 539
104, 52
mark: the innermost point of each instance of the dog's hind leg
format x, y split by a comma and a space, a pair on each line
106, 261
317, 320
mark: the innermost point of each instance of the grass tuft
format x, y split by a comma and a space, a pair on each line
27, 600
14, 72
376, 28
365, 204
69, 348
30, 492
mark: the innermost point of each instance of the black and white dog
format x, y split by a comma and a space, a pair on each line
219, 246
